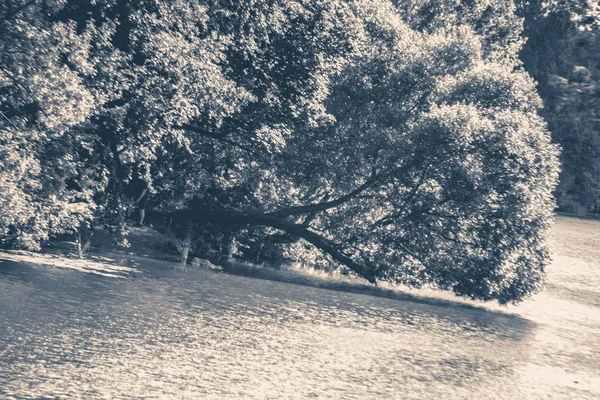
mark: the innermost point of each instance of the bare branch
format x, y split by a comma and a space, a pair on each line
327, 204
202, 131
221, 137
9, 121
124, 149
388, 219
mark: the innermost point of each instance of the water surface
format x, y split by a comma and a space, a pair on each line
158, 331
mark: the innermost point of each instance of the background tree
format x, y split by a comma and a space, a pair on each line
561, 53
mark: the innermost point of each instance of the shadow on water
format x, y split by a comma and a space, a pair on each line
166, 320
240, 283
163, 330
291, 277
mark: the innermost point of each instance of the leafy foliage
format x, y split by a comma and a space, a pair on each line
403, 148
46, 185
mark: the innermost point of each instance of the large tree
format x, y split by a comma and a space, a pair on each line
405, 152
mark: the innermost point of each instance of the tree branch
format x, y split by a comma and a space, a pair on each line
221, 137
202, 131
287, 238
9, 121
237, 218
388, 219
326, 204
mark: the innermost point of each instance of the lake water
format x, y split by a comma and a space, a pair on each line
157, 331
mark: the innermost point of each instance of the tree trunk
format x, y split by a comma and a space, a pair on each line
227, 217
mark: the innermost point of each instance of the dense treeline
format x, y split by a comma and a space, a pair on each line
562, 54
402, 140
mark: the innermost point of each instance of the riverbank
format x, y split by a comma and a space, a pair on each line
105, 259
572, 237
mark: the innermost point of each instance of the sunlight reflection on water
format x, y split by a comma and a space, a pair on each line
171, 333
196, 334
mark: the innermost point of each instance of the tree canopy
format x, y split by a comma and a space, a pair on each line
396, 146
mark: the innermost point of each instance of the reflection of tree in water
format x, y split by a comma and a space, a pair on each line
145, 335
